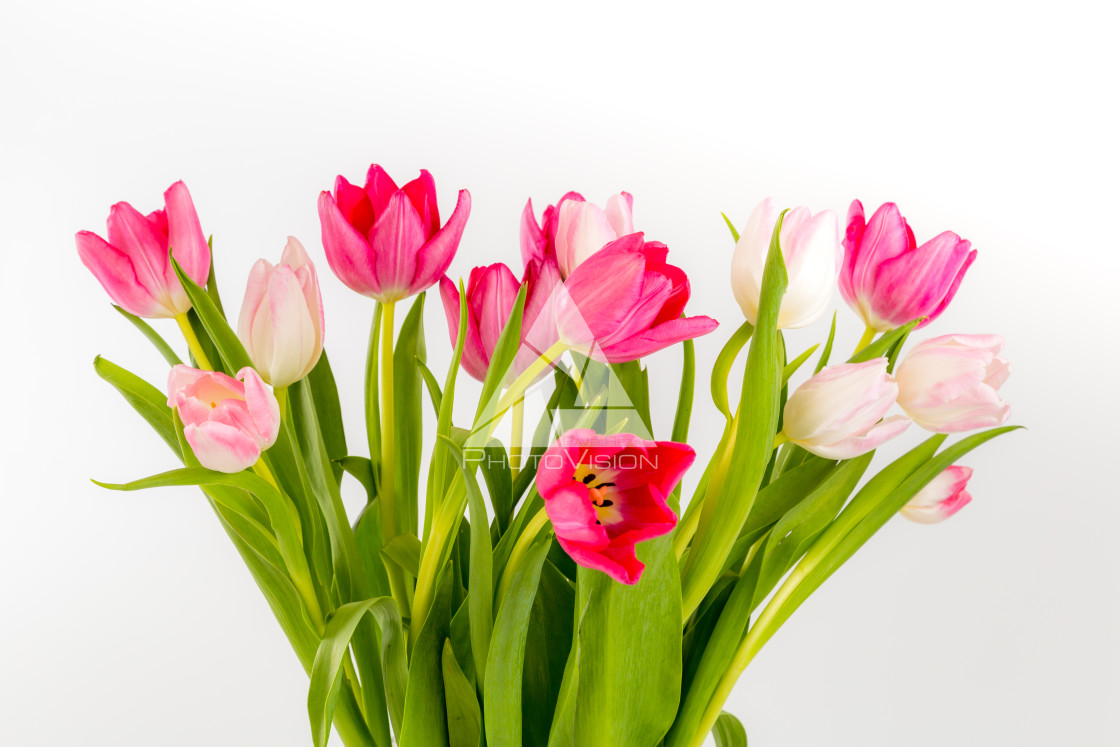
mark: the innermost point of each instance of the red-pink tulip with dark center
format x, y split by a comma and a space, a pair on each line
134, 265
888, 279
604, 494
625, 301
491, 294
386, 242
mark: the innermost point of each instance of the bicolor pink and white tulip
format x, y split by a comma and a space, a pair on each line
888, 279
227, 421
625, 301
811, 249
839, 412
942, 497
574, 229
386, 242
281, 323
951, 383
605, 494
491, 295
134, 265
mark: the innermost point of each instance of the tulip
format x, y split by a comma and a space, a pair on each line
134, 266
604, 494
888, 279
951, 383
281, 323
942, 497
385, 242
838, 413
227, 421
575, 229
811, 249
625, 302
491, 294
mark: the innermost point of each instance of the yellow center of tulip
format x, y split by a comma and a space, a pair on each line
599, 489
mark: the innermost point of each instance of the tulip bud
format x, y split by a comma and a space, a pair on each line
281, 323
811, 250
583, 229
227, 421
950, 384
385, 242
838, 413
942, 497
134, 267
625, 302
888, 279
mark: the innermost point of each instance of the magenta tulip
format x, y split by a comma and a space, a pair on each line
888, 279
574, 229
227, 421
951, 383
838, 413
625, 302
942, 497
281, 323
386, 242
134, 266
604, 494
491, 294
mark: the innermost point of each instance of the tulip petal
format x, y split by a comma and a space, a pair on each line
263, 407
858, 444
435, 256
657, 338
532, 236
422, 192
620, 563
475, 361
922, 282
292, 331
380, 188
185, 237
136, 236
221, 447
354, 204
573, 517
117, 275
348, 251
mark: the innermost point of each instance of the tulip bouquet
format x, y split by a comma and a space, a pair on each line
556, 584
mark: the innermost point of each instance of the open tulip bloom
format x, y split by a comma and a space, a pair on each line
502, 589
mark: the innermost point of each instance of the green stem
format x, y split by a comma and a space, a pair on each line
192, 342
868, 336
386, 496
516, 438
524, 540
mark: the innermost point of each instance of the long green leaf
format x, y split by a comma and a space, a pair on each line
464, 717
408, 415
326, 672
153, 337
148, 401
425, 710
728, 732
509, 343
722, 366
225, 339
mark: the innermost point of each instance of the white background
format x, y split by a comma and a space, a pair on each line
127, 619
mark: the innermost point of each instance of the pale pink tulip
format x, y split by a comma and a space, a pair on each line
942, 497
888, 279
227, 421
625, 302
951, 383
491, 294
838, 413
811, 249
133, 266
386, 242
281, 323
574, 229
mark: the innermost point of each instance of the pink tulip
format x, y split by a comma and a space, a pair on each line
604, 494
134, 266
942, 497
888, 279
227, 421
811, 250
951, 383
625, 302
575, 229
281, 322
385, 242
838, 413
491, 294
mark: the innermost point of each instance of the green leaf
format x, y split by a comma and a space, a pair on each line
404, 550
148, 401
464, 717
881, 347
499, 482
827, 352
367, 537
328, 411
562, 733
361, 469
212, 280
546, 650
434, 393
408, 415
225, 339
796, 363
504, 664
437, 471
731, 227
687, 393
728, 732
634, 382
509, 342
153, 337
735, 482
722, 366
425, 711
327, 673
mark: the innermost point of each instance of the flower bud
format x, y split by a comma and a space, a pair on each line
942, 497
951, 383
